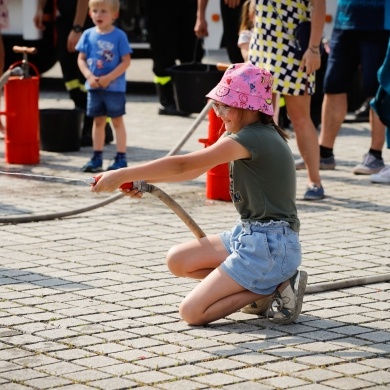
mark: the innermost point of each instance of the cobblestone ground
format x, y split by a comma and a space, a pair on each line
86, 301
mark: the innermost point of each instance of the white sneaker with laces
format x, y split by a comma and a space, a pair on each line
383, 176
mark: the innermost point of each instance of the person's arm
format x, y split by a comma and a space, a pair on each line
38, 18
174, 168
232, 3
200, 28
105, 80
244, 39
79, 20
312, 58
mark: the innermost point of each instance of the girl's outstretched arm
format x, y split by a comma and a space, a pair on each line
174, 168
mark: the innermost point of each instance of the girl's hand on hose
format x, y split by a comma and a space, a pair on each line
108, 181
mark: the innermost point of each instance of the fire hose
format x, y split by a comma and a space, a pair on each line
183, 215
168, 201
144, 187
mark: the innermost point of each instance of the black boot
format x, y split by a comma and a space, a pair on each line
167, 100
86, 133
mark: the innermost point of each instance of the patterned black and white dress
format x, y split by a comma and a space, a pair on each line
272, 44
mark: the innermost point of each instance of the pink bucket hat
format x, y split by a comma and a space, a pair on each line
245, 86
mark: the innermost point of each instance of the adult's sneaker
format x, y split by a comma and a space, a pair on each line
117, 164
93, 165
326, 163
383, 176
314, 192
287, 304
370, 165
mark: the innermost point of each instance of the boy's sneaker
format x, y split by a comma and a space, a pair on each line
314, 193
259, 307
370, 165
383, 176
326, 163
117, 164
94, 165
287, 304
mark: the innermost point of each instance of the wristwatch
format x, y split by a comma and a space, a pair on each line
77, 28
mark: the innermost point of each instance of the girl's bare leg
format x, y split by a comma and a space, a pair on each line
217, 295
196, 259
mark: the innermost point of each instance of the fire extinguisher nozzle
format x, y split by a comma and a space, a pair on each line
18, 71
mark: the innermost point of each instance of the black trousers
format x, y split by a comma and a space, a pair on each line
170, 26
231, 18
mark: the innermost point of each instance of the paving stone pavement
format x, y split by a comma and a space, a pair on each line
86, 301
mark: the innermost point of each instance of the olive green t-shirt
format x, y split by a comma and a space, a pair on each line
263, 187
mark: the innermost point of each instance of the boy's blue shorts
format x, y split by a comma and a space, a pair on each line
106, 103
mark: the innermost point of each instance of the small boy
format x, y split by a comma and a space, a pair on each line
104, 56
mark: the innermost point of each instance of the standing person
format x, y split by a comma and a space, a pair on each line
171, 37
258, 259
104, 56
231, 11
245, 30
383, 176
3, 24
273, 48
359, 40
71, 19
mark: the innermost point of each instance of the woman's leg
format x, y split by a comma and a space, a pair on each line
298, 108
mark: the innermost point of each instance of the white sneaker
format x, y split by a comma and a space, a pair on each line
383, 176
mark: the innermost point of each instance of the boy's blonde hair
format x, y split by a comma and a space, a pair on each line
113, 4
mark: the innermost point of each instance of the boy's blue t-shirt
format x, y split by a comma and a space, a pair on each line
104, 53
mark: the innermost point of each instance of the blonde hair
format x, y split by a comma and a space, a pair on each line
247, 15
113, 4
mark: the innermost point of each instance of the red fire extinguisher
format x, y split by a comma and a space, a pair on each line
21, 95
217, 185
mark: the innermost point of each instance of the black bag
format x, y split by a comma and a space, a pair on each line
302, 37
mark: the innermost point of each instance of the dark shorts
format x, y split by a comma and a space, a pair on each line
351, 50
106, 103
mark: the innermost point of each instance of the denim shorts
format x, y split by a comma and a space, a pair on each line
261, 255
351, 50
106, 103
